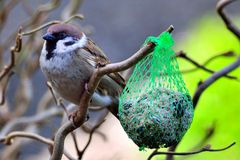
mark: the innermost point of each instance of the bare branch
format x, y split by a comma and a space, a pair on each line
204, 149
13, 50
8, 139
4, 88
21, 134
225, 54
40, 28
78, 16
204, 85
38, 18
209, 132
220, 9
183, 55
171, 149
59, 139
90, 139
30, 120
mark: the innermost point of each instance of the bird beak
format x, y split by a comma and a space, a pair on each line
49, 37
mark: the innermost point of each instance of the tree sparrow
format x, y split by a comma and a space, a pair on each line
69, 58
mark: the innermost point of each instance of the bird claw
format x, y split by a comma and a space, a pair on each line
73, 116
86, 89
99, 65
87, 117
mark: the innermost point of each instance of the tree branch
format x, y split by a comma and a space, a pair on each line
225, 54
8, 139
29, 120
17, 48
220, 9
90, 139
183, 55
204, 85
204, 149
4, 87
18, 134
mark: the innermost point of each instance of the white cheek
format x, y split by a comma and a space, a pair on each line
62, 54
62, 48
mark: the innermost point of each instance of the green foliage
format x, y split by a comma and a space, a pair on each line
155, 107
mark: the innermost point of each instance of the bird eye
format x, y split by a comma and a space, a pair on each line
69, 43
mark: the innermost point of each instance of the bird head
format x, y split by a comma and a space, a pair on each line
63, 38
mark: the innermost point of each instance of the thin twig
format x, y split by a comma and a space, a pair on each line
171, 149
40, 28
4, 88
183, 55
208, 134
37, 18
225, 54
7, 70
52, 92
8, 139
204, 85
13, 51
79, 16
204, 149
58, 101
43, 116
220, 9
90, 139
74, 137
152, 154
21, 134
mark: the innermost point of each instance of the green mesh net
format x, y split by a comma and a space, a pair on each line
155, 107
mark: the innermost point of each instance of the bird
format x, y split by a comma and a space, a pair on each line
69, 58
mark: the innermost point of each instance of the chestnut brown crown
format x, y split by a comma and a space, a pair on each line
70, 30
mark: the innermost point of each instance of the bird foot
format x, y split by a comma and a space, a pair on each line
86, 88
74, 118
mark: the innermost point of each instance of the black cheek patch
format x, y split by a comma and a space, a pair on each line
50, 46
69, 43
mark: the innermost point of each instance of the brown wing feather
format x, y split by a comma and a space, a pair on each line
101, 60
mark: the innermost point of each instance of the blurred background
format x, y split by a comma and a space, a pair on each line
120, 28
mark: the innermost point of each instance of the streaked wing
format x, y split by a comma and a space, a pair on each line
101, 59
96, 52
